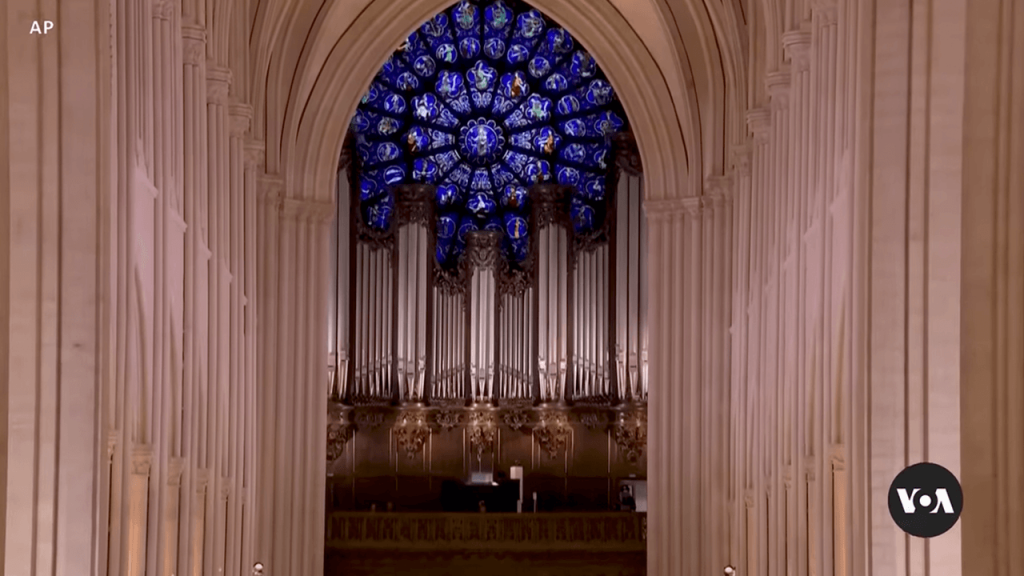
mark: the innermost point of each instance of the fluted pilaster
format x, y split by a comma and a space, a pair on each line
675, 420
291, 390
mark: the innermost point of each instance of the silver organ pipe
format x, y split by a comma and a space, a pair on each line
631, 336
343, 295
581, 320
482, 252
449, 350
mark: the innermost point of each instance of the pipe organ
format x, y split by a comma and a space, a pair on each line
566, 326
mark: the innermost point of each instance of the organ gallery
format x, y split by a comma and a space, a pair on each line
489, 305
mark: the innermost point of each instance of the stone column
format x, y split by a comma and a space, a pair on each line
716, 269
138, 508
170, 516
292, 400
739, 252
676, 517
991, 371
196, 256
755, 223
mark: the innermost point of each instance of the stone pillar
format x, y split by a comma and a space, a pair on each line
196, 256
777, 312
716, 307
196, 545
170, 517
677, 516
292, 403
755, 224
138, 508
992, 313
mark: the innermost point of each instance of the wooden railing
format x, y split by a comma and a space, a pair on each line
605, 532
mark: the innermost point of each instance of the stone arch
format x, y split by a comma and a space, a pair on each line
313, 128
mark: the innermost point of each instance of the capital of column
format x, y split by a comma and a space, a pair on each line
836, 455
201, 480
193, 43
241, 116
270, 189
255, 153
748, 498
810, 469
111, 445
740, 159
175, 466
759, 120
218, 83
664, 210
826, 11
797, 45
226, 485
306, 210
718, 189
164, 9
777, 84
142, 460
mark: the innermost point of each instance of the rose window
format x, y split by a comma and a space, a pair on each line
484, 101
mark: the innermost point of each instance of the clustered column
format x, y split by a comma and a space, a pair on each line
295, 234
675, 419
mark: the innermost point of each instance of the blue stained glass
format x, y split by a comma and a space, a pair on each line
466, 225
514, 197
446, 225
483, 100
494, 48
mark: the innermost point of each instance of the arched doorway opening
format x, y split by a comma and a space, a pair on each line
313, 138
488, 316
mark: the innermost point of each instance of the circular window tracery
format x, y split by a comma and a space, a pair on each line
484, 100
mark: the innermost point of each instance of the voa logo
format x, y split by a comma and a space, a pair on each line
925, 500
917, 498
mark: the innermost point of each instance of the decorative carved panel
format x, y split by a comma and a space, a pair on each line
415, 204
448, 419
630, 433
553, 432
339, 431
516, 419
412, 432
483, 430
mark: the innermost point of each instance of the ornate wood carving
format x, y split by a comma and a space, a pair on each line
483, 430
516, 418
627, 154
449, 282
593, 419
368, 419
412, 432
483, 250
630, 433
553, 432
339, 431
448, 419
513, 282
550, 204
414, 204
494, 531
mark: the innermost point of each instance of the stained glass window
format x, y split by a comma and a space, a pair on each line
483, 101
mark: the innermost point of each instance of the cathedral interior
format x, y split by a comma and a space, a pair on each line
547, 287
